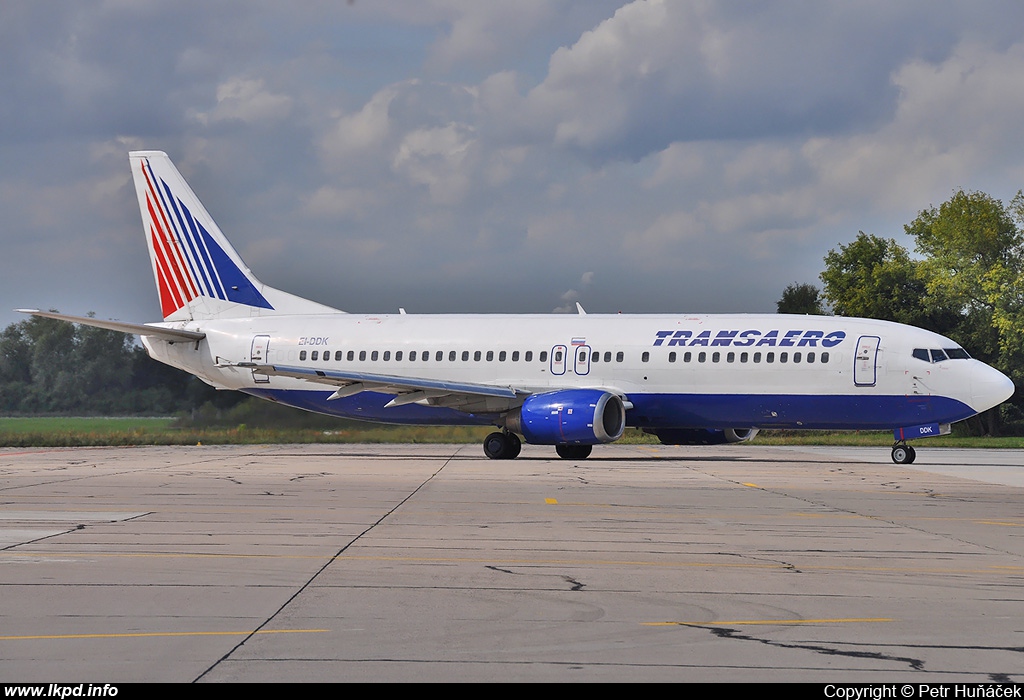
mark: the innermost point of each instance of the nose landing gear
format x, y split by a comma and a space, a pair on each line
902, 453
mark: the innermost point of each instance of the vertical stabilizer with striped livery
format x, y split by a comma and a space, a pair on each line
198, 274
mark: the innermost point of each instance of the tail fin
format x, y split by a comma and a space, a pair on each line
198, 274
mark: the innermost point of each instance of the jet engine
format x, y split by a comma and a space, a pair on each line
569, 417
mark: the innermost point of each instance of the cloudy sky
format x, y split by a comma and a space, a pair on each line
458, 155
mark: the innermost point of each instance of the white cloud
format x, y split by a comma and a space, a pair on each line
438, 158
246, 100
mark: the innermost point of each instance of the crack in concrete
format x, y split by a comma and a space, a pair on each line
730, 633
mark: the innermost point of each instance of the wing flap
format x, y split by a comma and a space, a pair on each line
350, 383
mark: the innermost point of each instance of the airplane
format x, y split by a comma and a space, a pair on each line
571, 381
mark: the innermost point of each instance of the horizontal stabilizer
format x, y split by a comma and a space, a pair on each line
172, 334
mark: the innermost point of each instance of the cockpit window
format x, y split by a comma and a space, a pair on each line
936, 355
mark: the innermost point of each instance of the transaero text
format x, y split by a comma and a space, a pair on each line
751, 338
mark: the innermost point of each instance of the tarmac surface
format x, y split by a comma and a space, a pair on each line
433, 563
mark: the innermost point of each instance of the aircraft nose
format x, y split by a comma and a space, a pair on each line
989, 387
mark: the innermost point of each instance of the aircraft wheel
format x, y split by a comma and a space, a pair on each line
902, 454
515, 445
574, 451
502, 446
913, 454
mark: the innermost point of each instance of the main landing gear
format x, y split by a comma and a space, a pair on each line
574, 451
508, 446
902, 453
502, 445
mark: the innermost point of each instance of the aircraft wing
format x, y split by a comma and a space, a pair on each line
468, 396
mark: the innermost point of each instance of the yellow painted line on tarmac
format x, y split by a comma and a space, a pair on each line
823, 621
753, 486
1001, 524
129, 635
551, 501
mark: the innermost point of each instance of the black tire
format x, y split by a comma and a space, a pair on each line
913, 455
496, 446
901, 454
515, 445
574, 451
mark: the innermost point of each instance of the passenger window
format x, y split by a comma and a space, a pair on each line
824, 357
387, 355
352, 355
607, 357
302, 354
687, 356
501, 356
731, 357
515, 356
558, 356
374, 355
595, 356
476, 356
744, 356
769, 357
671, 357
362, 356
398, 356
412, 356
810, 357
543, 356
620, 356
757, 357
314, 355
783, 356
796, 357
490, 356
337, 355
716, 356
451, 356
702, 357
528, 357
465, 355
645, 357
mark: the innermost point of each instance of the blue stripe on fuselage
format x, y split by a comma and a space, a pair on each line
849, 412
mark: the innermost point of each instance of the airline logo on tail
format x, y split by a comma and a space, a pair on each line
187, 260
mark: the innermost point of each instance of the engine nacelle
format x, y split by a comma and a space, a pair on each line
570, 417
703, 436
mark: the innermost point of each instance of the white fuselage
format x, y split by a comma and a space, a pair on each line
708, 371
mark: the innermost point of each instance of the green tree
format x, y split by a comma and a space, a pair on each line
974, 259
800, 299
875, 277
